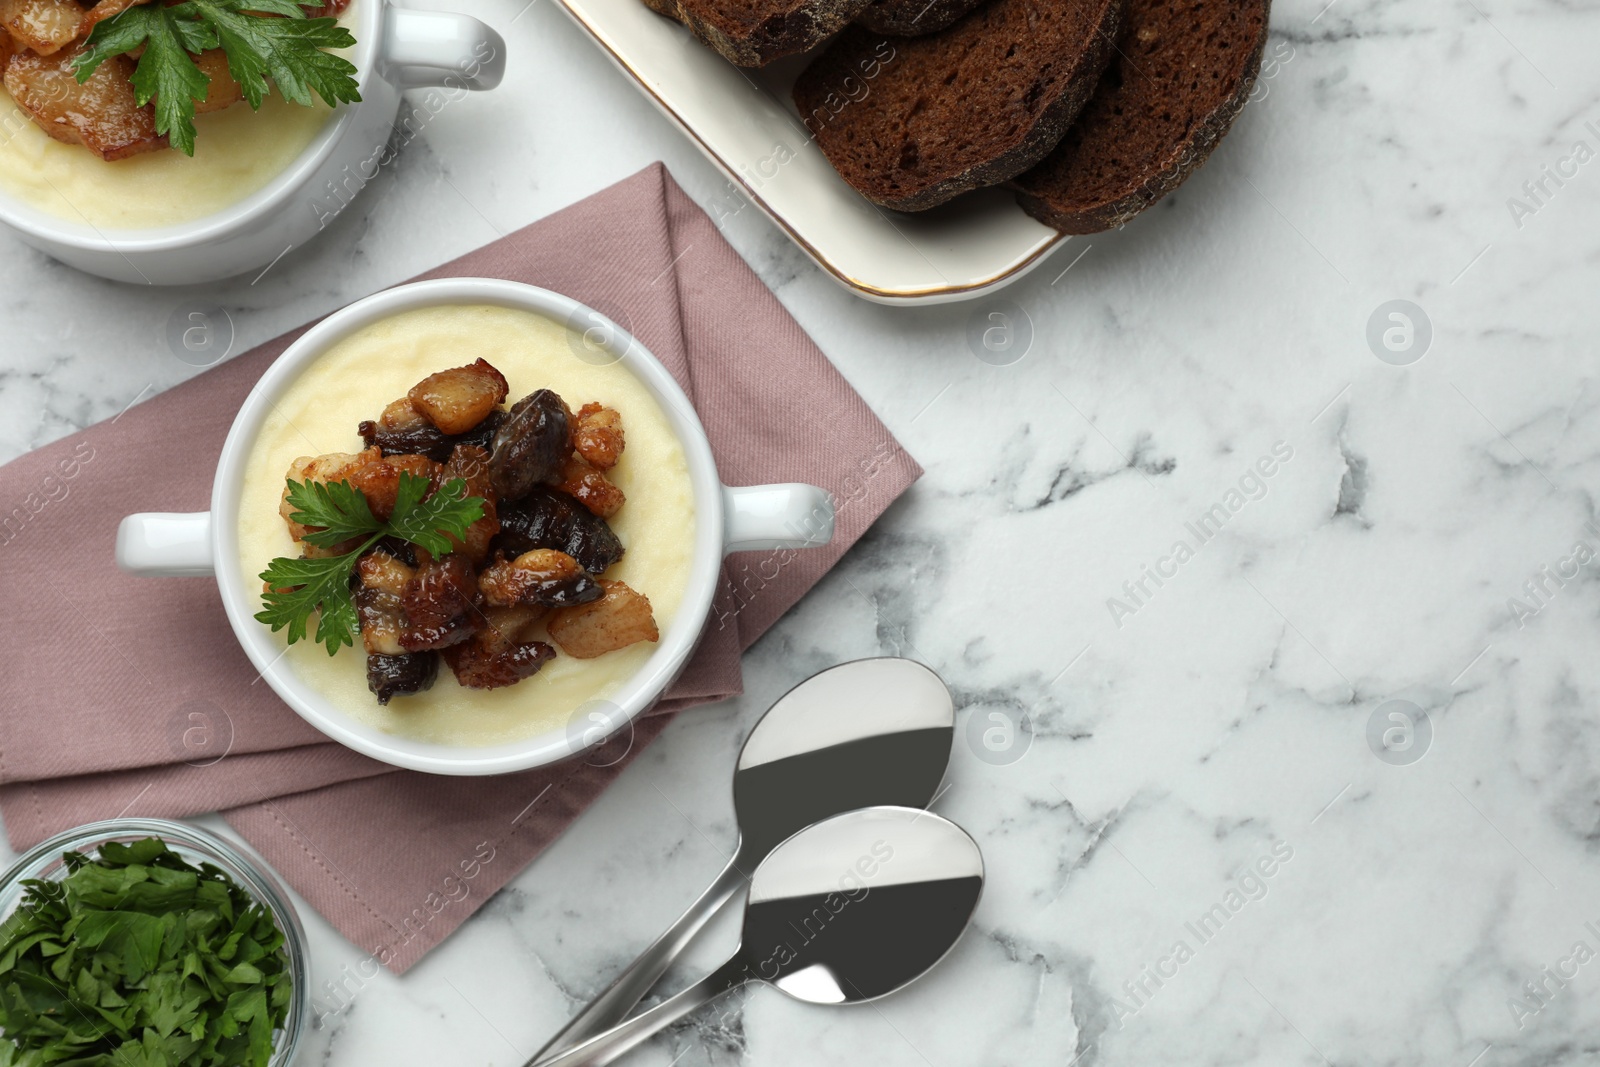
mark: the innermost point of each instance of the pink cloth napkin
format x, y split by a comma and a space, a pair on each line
127, 696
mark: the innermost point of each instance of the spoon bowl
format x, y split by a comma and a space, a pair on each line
849, 910
862, 734
860, 905
870, 732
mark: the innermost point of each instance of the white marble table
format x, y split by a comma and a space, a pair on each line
1186, 731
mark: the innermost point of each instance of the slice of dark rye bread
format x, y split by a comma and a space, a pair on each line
913, 18
913, 121
1181, 76
753, 33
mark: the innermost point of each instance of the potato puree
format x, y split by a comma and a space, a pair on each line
237, 153
353, 381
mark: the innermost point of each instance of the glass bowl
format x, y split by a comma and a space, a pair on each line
196, 846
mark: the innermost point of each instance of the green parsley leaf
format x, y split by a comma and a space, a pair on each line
262, 39
303, 586
289, 50
114, 37
426, 523
299, 588
138, 958
168, 76
338, 507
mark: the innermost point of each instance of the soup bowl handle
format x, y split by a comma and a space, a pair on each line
166, 546
758, 518
441, 49
763, 517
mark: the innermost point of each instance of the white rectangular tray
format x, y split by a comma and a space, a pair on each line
745, 123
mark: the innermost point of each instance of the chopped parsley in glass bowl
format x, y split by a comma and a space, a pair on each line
150, 943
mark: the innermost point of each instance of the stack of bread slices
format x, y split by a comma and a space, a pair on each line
1090, 110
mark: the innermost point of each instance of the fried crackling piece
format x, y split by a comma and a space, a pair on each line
496, 656
471, 464
101, 114
591, 487
512, 624
379, 482
8, 48
45, 26
403, 675
223, 92
544, 577
402, 414
380, 596
441, 605
620, 618
458, 399
597, 435
417, 436
333, 467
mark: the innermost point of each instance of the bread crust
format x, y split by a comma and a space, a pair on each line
914, 18
780, 34
1036, 142
1147, 189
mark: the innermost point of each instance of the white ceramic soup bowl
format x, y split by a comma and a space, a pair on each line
726, 520
395, 49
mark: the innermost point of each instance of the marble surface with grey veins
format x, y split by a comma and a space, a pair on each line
1270, 603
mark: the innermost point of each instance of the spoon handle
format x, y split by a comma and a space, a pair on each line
609, 1044
611, 1007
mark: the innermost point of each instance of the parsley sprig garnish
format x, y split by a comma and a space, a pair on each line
300, 588
288, 49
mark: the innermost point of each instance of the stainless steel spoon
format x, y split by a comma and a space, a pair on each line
848, 910
871, 732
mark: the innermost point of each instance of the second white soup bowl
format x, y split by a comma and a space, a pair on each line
396, 49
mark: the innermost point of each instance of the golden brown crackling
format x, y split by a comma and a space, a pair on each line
502, 652
381, 585
43, 26
532, 578
101, 114
441, 605
471, 464
223, 92
457, 399
402, 415
597, 436
591, 488
620, 618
